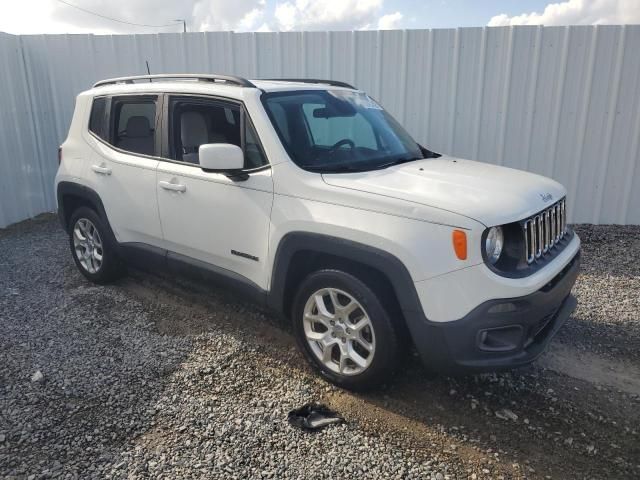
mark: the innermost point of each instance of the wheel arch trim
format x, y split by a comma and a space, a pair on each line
82, 191
372, 257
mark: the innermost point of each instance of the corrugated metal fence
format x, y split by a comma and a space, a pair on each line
560, 101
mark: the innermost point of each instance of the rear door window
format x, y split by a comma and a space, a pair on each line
133, 124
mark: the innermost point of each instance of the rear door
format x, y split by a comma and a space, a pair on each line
124, 134
208, 216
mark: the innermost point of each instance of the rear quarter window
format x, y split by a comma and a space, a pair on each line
97, 120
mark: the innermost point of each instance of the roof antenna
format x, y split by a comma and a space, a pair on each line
148, 71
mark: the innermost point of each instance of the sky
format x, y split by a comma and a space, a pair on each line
57, 16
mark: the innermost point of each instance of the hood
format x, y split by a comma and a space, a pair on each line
490, 194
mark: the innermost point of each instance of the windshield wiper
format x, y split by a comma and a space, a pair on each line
341, 168
331, 168
399, 161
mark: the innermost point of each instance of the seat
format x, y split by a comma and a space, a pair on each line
193, 133
138, 136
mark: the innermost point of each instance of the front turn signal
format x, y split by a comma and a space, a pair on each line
460, 244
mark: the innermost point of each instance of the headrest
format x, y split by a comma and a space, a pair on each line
138, 126
193, 129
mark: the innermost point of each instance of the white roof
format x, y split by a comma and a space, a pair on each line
206, 88
282, 85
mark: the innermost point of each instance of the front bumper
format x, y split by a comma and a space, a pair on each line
499, 334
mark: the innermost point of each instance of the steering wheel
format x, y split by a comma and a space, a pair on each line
339, 143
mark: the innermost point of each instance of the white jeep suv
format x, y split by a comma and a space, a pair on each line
310, 197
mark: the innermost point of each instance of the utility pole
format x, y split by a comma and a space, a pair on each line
184, 24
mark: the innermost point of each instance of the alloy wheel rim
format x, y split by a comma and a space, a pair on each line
87, 245
339, 331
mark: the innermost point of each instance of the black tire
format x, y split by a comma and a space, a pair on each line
112, 266
386, 354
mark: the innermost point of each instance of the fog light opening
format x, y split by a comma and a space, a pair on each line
501, 339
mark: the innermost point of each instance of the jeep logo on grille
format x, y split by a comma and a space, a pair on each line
546, 197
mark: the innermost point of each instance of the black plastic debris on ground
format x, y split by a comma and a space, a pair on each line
313, 416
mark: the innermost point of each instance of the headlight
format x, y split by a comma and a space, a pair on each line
493, 244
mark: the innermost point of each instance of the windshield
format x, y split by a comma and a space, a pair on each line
339, 131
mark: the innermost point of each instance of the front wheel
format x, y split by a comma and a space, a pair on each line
344, 330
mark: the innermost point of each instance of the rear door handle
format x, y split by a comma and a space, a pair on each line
101, 169
175, 187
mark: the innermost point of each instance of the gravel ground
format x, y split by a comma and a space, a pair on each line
161, 378
607, 320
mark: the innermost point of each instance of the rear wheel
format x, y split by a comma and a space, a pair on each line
344, 330
93, 248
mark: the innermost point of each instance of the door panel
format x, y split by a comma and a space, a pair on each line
207, 216
126, 185
122, 170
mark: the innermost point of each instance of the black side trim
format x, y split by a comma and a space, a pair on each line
220, 276
146, 257
149, 257
380, 260
80, 191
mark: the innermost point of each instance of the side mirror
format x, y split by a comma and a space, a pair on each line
221, 157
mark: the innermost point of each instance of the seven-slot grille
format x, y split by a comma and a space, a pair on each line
543, 231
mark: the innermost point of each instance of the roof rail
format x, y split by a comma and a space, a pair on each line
333, 83
231, 80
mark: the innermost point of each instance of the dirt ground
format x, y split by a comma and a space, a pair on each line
576, 411
577, 414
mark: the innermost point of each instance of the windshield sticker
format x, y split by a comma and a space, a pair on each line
371, 103
360, 99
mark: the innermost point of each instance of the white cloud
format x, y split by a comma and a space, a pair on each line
390, 21
249, 22
52, 16
211, 15
576, 12
326, 14
286, 14
264, 28
35, 16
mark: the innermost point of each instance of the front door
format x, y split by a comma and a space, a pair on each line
208, 216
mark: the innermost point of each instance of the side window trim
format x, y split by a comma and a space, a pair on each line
196, 99
165, 146
107, 122
112, 128
159, 127
164, 122
244, 116
105, 117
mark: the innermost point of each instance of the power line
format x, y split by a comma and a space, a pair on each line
115, 19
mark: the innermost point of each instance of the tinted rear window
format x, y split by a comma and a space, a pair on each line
97, 121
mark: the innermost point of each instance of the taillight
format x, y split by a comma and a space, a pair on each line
59, 155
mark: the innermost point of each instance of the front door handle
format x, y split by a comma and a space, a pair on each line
175, 187
101, 169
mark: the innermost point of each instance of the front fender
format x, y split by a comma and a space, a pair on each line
295, 242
